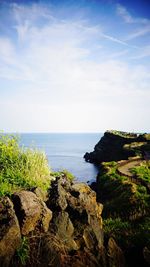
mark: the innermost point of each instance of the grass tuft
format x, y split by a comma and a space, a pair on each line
21, 168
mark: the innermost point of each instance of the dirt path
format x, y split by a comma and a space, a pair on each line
125, 169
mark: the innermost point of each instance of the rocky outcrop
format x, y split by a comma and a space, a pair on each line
76, 230
27, 214
77, 221
65, 231
10, 236
115, 146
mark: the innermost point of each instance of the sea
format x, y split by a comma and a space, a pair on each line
66, 151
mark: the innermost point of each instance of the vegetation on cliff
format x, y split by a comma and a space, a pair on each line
126, 213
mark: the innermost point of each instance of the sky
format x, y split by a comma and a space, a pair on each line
74, 66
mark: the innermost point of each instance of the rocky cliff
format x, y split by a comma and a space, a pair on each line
116, 145
123, 187
64, 228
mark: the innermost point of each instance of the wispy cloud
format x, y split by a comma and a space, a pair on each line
139, 32
127, 17
122, 11
113, 39
143, 24
22, 12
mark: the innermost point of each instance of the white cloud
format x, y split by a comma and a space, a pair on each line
32, 13
122, 11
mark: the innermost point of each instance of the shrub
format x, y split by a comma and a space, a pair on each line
20, 167
23, 251
65, 173
115, 226
118, 229
68, 175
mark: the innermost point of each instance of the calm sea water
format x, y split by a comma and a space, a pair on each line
66, 151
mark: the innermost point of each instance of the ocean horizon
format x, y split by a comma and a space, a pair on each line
65, 151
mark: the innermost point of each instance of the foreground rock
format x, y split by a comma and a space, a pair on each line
10, 236
31, 212
76, 231
66, 231
77, 221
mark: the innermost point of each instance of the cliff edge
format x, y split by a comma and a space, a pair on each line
117, 145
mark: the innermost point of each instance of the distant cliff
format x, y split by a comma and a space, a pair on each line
117, 145
123, 187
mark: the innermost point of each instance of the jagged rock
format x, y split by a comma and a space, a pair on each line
86, 201
53, 251
10, 236
55, 255
146, 254
89, 238
42, 195
65, 230
46, 217
96, 225
115, 254
31, 212
57, 194
77, 222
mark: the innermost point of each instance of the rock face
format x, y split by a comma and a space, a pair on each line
76, 231
115, 146
76, 223
31, 212
10, 236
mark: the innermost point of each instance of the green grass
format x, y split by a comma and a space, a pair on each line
117, 228
126, 206
142, 171
64, 173
20, 167
120, 196
127, 233
23, 251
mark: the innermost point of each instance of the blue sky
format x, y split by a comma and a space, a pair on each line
74, 66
